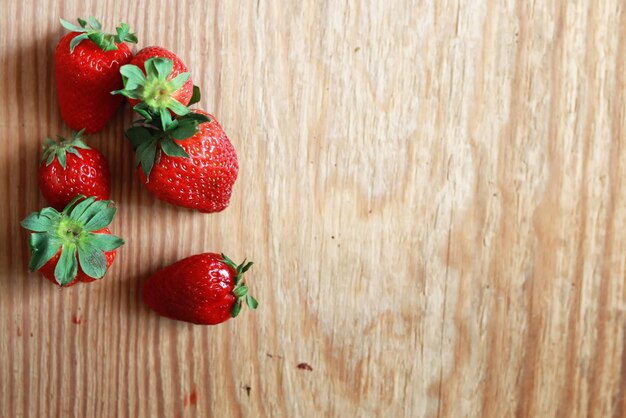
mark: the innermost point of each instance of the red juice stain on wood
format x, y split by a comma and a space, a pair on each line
19, 331
193, 398
76, 319
305, 366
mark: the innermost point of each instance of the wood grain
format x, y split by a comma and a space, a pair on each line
433, 194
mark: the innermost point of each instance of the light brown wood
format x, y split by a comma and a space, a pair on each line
433, 194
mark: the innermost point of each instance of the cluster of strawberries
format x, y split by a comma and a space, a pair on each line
183, 157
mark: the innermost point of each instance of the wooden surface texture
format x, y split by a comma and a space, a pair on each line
433, 193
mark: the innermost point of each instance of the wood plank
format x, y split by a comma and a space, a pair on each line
432, 193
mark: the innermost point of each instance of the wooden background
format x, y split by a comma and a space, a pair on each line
433, 193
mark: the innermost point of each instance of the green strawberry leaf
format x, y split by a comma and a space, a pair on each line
42, 248
62, 147
106, 242
251, 302
152, 87
73, 28
230, 263
124, 35
140, 121
166, 118
137, 135
93, 210
134, 77
178, 81
76, 40
78, 134
163, 67
37, 222
92, 260
131, 38
195, 97
69, 207
80, 144
106, 41
51, 213
96, 37
67, 266
101, 219
236, 309
71, 233
144, 110
173, 125
75, 152
131, 94
185, 128
61, 155
94, 23
159, 131
122, 31
246, 267
172, 149
150, 68
241, 291
198, 117
177, 107
80, 208
146, 154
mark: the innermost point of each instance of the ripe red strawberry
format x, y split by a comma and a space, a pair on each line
74, 245
202, 289
70, 168
191, 164
157, 81
87, 64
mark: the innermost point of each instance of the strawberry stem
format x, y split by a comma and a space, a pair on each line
149, 139
59, 149
154, 89
240, 290
93, 32
73, 231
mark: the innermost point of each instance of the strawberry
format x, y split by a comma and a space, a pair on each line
70, 168
87, 64
205, 289
190, 164
157, 81
74, 245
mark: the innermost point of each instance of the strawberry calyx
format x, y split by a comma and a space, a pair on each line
148, 137
240, 290
93, 31
74, 232
154, 90
62, 147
